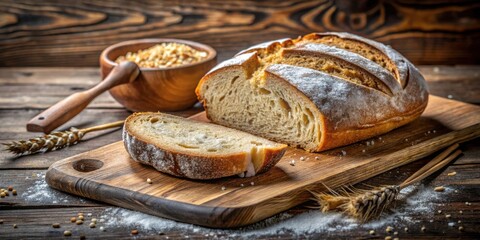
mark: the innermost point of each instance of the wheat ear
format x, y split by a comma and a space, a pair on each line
366, 205
53, 141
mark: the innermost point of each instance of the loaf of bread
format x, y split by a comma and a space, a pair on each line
316, 92
197, 150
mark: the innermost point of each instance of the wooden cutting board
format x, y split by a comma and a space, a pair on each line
107, 174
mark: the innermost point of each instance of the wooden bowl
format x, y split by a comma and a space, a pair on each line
158, 89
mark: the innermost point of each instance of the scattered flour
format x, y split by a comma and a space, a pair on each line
413, 201
40, 192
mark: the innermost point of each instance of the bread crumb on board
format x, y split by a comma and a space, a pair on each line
452, 174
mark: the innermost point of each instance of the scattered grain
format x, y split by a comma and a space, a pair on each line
448, 216
389, 229
149, 181
67, 233
14, 192
388, 238
15, 226
73, 219
292, 162
449, 96
56, 225
1, 221
80, 214
134, 232
439, 211
406, 229
81, 217
460, 228
10, 188
102, 229
317, 158
452, 174
79, 222
241, 185
439, 189
395, 233
2, 194
461, 212
92, 225
94, 220
372, 232
423, 229
302, 158
223, 188
459, 221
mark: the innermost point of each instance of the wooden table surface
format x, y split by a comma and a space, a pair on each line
24, 92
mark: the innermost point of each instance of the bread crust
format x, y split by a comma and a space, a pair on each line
371, 113
188, 164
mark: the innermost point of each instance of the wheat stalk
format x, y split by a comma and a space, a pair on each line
53, 141
366, 205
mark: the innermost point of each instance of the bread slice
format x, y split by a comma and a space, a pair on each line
197, 150
316, 92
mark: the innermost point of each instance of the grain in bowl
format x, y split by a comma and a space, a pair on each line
167, 54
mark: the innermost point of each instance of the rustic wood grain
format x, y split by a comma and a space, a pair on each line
39, 88
37, 222
66, 109
467, 176
52, 33
13, 128
456, 82
33, 192
277, 190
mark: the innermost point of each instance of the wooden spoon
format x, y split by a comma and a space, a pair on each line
61, 112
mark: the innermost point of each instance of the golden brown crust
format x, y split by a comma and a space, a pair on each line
188, 165
367, 111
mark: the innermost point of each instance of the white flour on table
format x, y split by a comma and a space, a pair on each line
40, 192
420, 201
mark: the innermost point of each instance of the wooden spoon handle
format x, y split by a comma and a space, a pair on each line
69, 107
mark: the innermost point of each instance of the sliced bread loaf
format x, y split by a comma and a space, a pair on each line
197, 150
316, 92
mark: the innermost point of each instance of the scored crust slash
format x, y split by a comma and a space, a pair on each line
316, 92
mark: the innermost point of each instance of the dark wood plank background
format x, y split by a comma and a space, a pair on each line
73, 33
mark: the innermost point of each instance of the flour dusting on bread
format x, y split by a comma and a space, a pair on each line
316, 92
197, 150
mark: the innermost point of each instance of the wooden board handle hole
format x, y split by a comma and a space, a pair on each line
87, 165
